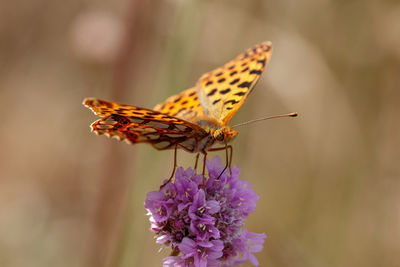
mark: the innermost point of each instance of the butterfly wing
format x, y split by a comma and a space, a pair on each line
185, 106
140, 125
223, 91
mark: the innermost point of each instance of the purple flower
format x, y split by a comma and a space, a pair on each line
204, 228
243, 197
186, 183
201, 208
159, 205
249, 243
201, 251
174, 261
203, 224
253, 243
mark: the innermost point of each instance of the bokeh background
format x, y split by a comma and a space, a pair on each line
328, 181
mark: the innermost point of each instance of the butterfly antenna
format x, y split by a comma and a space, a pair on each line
293, 114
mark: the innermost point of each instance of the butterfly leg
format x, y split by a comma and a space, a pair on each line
173, 170
228, 159
197, 160
204, 169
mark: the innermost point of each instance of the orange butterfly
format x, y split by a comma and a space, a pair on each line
193, 120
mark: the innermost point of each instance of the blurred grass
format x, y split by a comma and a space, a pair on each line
328, 181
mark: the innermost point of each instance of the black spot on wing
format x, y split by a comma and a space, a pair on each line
258, 72
245, 69
231, 101
227, 90
209, 83
192, 93
216, 101
221, 80
262, 61
219, 74
177, 100
212, 92
234, 81
244, 84
232, 73
240, 93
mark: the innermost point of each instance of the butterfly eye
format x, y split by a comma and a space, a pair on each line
219, 135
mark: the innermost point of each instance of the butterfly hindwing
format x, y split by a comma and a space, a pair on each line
223, 90
140, 125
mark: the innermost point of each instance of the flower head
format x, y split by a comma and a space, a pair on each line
205, 223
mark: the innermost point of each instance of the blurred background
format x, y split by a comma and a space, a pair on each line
328, 181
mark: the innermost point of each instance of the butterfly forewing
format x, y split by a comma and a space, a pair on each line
140, 125
223, 90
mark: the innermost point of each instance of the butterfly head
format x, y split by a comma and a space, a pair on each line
224, 134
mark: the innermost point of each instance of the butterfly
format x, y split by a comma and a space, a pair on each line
194, 120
